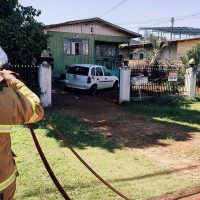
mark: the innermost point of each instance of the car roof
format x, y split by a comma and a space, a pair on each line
87, 65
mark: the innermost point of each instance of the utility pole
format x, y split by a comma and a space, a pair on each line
172, 21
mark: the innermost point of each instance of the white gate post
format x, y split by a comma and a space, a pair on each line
45, 83
124, 87
190, 82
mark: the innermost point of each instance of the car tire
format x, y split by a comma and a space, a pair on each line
93, 90
115, 85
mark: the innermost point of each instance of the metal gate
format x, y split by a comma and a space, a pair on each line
153, 80
29, 75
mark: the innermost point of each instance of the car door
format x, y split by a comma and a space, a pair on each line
109, 81
77, 76
100, 78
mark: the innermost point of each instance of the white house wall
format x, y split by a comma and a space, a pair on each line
97, 29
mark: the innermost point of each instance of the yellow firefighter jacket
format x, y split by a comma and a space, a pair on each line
18, 105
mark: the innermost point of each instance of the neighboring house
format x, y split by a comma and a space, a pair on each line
91, 40
136, 50
141, 52
178, 48
138, 53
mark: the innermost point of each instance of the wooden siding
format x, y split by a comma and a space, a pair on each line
61, 60
98, 29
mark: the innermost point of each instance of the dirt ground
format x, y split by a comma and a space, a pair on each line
103, 114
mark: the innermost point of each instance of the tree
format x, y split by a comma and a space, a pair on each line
158, 46
21, 36
6, 7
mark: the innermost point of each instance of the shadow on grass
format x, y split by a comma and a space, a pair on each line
75, 132
173, 108
163, 173
80, 135
184, 120
178, 115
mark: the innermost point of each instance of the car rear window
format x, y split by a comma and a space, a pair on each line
78, 70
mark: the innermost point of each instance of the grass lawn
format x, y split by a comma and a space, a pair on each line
133, 174
172, 110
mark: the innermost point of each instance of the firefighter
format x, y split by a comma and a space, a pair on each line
18, 105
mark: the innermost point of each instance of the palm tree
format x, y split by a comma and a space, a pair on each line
158, 45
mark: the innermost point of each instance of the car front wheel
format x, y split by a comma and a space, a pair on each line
115, 85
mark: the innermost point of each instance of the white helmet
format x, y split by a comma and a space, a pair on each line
3, 57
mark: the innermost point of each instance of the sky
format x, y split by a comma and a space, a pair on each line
130, 14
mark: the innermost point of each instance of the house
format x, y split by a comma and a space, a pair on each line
139, 53
91, 40
178, 48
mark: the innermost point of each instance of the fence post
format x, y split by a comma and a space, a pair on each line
45, 83
190, 82
124, 88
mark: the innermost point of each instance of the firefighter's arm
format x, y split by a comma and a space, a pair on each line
27, 102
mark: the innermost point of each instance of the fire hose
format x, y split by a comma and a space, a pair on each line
67, 144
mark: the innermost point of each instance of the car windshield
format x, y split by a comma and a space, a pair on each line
78, 70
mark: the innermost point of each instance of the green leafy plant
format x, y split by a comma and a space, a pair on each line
195, 54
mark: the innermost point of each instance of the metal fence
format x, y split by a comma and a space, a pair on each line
151, 81
29, 75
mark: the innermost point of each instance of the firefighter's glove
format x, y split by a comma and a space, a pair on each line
11, 79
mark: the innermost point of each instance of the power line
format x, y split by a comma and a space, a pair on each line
161, 20
119, 4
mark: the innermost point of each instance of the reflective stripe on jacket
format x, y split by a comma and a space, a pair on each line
5, 128
7, 166
17, 106
8, 181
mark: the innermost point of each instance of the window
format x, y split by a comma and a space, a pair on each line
106, 72
75, 47
106, 50
99, 71
131, 56
141, 56
78, 70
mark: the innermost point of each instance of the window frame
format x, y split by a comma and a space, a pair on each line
75, 47
101, 71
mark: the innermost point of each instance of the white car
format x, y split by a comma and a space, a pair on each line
90, 77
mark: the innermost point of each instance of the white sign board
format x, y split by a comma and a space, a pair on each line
139, 80
173, 76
